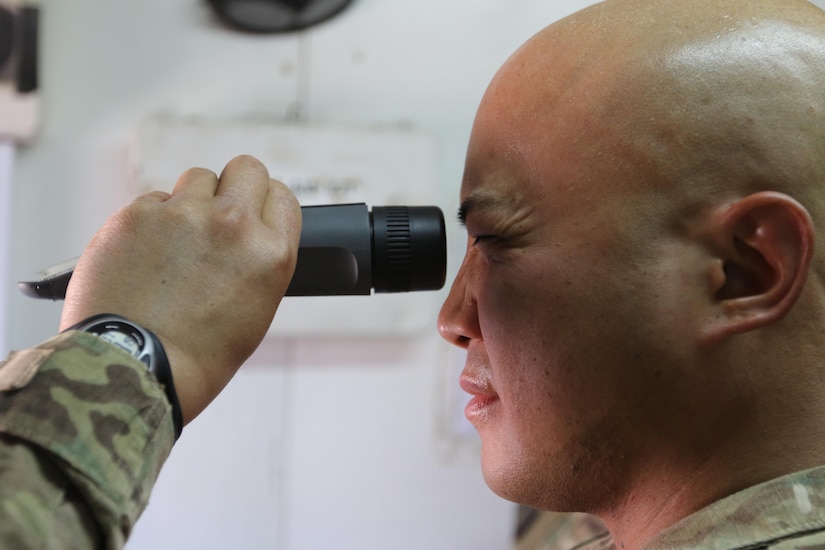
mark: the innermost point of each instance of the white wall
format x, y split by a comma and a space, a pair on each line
327, 443
7, 150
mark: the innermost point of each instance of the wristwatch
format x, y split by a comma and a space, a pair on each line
143, 345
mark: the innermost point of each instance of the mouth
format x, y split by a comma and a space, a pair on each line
482, 398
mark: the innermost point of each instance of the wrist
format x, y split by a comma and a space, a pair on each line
143, 345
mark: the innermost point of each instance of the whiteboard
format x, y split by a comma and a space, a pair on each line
380, 166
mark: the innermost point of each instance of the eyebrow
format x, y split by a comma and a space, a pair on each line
476, 202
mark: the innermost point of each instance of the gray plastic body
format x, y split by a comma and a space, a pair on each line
344, 250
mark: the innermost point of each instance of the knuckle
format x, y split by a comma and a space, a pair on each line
132, 214
230, 222
196, 173
247, 163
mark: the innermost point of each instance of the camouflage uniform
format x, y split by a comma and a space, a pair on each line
84, 430
787, 513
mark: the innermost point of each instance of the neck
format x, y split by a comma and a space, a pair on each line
677, 484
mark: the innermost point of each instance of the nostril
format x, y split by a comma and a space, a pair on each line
462, 341
452, 333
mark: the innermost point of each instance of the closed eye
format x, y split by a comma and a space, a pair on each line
478, 239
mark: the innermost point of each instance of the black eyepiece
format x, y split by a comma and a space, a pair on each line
409, 249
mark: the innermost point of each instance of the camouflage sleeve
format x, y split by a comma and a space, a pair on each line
84, 430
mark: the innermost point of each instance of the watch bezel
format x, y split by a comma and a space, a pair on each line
146, 350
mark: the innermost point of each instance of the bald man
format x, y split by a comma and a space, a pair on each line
641, 299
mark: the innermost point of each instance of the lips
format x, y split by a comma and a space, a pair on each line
483, 397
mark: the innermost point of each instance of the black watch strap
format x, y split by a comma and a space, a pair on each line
142, 344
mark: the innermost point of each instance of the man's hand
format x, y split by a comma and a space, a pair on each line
203, 268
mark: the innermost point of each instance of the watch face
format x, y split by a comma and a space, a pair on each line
121, 334
131, 338
124, 341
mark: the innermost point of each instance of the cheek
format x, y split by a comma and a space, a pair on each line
522, 320
552, 331
524, 309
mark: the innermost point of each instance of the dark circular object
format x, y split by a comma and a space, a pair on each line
409, 248
276, 16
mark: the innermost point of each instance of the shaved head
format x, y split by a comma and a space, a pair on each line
726, 95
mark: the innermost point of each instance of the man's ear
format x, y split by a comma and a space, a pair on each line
764, 243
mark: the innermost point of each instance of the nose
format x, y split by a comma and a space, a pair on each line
458, 319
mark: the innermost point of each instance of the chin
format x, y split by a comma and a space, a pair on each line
545, 485
511, 477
